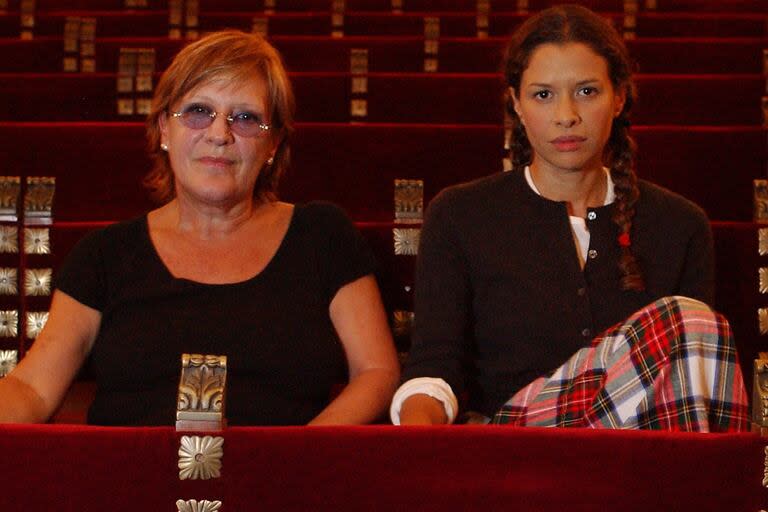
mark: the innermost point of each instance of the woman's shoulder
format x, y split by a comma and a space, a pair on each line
120, 233
320, 214
660, 202
481, 191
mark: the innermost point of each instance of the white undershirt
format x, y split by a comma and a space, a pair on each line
439, 389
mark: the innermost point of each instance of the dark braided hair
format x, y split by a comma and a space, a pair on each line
575, 24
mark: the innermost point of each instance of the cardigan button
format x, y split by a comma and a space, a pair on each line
587, 333
581, 291
592, 254
592, 215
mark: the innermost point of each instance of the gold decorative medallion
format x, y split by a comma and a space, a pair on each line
197, 506
8, 360
409, 200
9, 281
9, 239
200, 457
200, 404
37, 241
37, 281
763, 278
35, 322
762, 316
760, 392
406, 241
9, 323
762, 241
402, 321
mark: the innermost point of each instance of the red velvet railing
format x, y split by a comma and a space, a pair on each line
84, 469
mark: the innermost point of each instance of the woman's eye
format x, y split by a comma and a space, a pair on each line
587, 91
247, 117
197, 109
542, 95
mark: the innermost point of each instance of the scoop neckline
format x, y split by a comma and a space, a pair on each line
267, 268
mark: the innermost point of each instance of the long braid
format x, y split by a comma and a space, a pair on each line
620, 158
520, 151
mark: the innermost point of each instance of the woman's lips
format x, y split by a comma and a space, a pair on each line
568, 143
216, 161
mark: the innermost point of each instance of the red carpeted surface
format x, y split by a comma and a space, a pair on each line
84, 469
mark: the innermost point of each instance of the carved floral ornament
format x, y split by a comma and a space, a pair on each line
406, 241
8, 360
37, 241
197, 506
9, 323
35, 322
9, 281
9, 239
37, 281
202, 383
200, 457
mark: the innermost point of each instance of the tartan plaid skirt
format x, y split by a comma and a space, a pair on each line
670, 366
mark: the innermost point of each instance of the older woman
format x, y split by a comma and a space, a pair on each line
285, 291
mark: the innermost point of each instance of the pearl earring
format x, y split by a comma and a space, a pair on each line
164, 147
270, 160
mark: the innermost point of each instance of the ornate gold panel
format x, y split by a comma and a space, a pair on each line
409, 200
10, 188
38, 200
9, 239
200, 404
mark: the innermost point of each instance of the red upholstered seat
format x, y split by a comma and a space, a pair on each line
403, 53
697, 122
154, 23
325, 97
94, 183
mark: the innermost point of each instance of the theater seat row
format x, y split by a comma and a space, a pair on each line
155, 23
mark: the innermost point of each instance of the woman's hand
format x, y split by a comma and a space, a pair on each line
422, 409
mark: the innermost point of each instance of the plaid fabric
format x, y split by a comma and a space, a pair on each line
670, 366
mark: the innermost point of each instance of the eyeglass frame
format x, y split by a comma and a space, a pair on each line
265, 128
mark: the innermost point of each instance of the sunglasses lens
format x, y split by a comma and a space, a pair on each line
197, 119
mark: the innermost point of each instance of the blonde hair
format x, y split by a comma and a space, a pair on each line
233, 55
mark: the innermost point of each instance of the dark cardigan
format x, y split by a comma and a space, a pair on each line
500, 295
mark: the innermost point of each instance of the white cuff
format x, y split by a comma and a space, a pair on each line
436, 388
